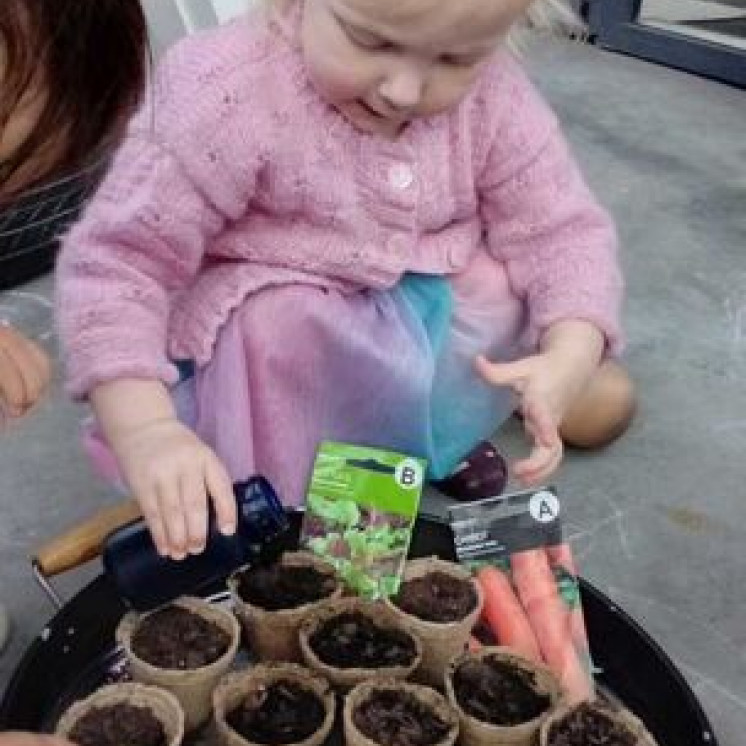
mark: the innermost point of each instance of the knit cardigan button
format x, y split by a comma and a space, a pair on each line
401, 176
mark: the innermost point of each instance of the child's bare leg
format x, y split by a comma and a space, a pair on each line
603, 411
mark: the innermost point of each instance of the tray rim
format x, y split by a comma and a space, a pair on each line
63, 621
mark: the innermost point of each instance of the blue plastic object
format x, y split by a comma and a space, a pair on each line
145, 580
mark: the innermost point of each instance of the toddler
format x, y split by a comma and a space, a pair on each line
350, 220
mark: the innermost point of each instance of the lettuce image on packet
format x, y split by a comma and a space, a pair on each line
360, 510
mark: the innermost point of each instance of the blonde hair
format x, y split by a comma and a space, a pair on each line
556, 17
552, 17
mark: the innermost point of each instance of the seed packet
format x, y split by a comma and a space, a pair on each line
528, 576
360, 510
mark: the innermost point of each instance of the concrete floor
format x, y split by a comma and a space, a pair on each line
657, 520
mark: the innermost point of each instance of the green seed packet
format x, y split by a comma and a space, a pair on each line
360, 510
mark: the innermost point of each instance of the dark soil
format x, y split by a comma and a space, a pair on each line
352, 640
282, 713
496, 692
398, 719
437, 597
284, 586
175, 638
119, 725
585, 726
483, 632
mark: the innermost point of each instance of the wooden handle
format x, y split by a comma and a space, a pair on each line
85, 541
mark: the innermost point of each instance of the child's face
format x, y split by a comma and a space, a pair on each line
382, 63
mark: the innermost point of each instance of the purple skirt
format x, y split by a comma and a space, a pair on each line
297, 365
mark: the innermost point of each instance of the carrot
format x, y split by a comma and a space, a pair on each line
562, 555
503, 613
549, 619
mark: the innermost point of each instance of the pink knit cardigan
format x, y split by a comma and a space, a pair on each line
237, 176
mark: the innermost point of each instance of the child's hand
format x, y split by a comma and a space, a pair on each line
547, 384
24, 372
171, 473
544, 398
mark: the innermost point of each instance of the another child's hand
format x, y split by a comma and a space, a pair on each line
544, 397
25, 372
171, 473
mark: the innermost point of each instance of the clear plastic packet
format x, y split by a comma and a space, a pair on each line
360, 510
532, 603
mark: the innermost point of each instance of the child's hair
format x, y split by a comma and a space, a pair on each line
90, 59
556, 16
552, 15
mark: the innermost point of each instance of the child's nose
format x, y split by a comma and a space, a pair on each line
402, 90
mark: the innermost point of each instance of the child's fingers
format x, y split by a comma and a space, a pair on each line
12, 385
174, 520
504, 374
540, 465
540, 424
220, 490
26, 369
36, 369
147, 499
546, 454
157, 530
194, 499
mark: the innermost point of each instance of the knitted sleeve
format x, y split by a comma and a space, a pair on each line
559, 246
178, 177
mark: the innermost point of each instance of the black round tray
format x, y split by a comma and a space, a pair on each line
76, 652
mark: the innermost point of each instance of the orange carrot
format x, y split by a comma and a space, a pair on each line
562, 555
503, 613
549, 619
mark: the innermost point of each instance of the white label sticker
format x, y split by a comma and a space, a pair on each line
544, 507
409, 474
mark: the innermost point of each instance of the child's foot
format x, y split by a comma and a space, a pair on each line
4, 627
483, 473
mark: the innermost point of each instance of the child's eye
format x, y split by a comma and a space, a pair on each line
457, 60
366, 40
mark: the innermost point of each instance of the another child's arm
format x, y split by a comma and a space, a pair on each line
24, 372
547, 383
169, 469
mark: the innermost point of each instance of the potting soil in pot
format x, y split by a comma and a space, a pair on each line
175, 638
284, 586
396, 718
585, 726
352, 640
437, 597
119, 725
282, 713
498, 693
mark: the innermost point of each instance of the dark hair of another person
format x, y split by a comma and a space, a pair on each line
91, 57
